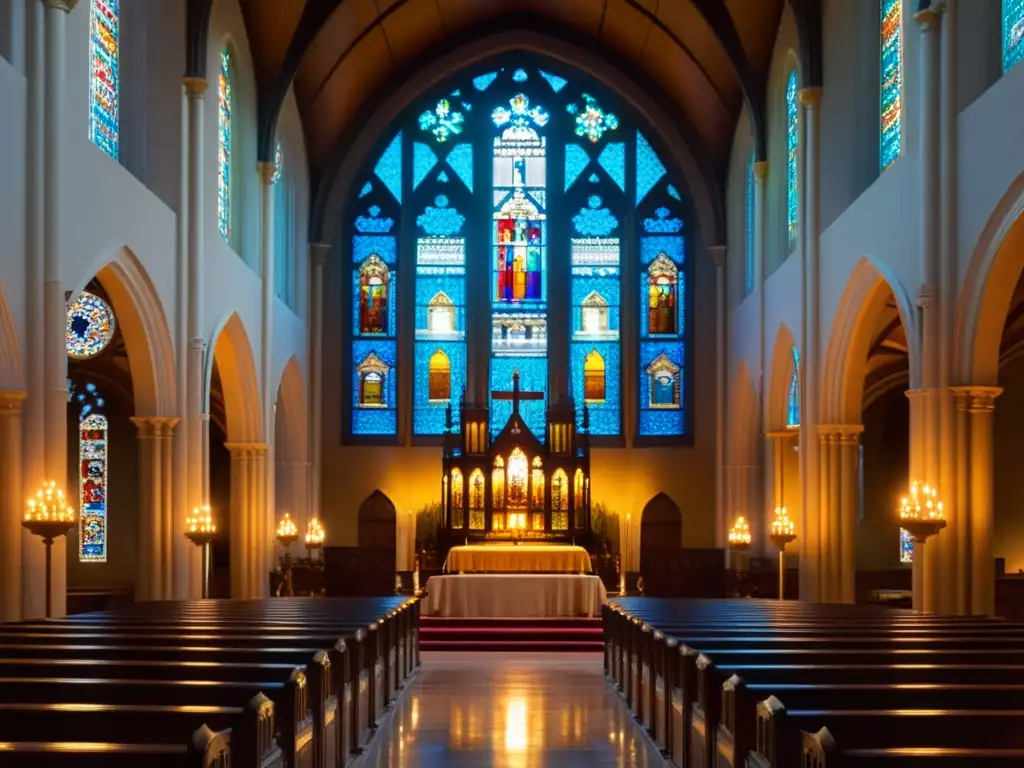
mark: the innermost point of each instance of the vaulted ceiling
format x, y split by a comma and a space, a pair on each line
708, 57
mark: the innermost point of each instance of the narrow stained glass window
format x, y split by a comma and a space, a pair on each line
793, 410
1013, 33
104, 72
892, 82
906, 547
282, 230
92, 487
224, 131
792, 142
748, 276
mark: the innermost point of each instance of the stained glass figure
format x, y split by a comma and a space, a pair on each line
664, 382
92, 488
442, 121
662, 296
591, 121
225, 108
104, 75
892, 82
374, 278
1013, 33
793, 410
90, 326
792, 142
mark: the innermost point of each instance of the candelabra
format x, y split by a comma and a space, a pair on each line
49, 517
783, 533
287, 534
921, 516
739, 542
201, 530
315, 537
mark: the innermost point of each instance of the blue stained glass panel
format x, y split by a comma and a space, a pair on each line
367, 189
671, 246
375, 421
1013, 33
520, 76
104, 43
663, 222
374, 222
673, 192
460, 159
428, 286
892, 82
483, 82
428, 418
613, 160
389, 167
649, 168
748, 274
680, 306
224, 133
576, 161
792, 141
442, 178
392, 303
533, 377
605, 418
793, 410
366, 245
423, 161
660, 421
441, 220
594, 178
906, 547
594, 221
557, 83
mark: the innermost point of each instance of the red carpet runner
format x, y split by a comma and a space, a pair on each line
568, 635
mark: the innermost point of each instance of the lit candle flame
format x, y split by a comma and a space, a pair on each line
739, 534
314, 533
49, 505
782, 525
201, 521
287, 529
922, 503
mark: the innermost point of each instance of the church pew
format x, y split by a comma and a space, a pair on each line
204, 749
130, 736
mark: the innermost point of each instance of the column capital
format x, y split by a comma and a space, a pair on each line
267, 172
318, 253
11, 400
242, 449
154, 426
760, 171
783, 434
976, 399
810, 96
194, 86
717, 254
930, 17
62, 5
844, 434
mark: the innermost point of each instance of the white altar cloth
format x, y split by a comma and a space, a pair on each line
514, 595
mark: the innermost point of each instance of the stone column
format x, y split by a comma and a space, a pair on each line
239, 518
262, 528
839, 460
810, 561
55, 362
318, 255
979, 403
269, 385
156, 530
760, 196
34, 434
721, 395
182, 554
12, 504
195, 88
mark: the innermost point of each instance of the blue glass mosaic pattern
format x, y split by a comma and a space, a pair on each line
594, 220
792, 145
660, 422
439, 219
650, 247
423, 161
367, 245
375, 421
483, 82
1013, 33
663, 222
557, 83
428, 417
576, 160
605, 418
613, 160
460, 159
649, 168
891, 90
389, 167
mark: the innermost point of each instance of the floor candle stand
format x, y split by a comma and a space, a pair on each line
49, 518
201, 531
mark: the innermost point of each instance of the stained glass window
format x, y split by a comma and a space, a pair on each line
906, 547
282, 229
477, 167
793, 408
1013, 33
892, 82
90, 326
748, 273
104, 74
792, 142
224, 144
92, 474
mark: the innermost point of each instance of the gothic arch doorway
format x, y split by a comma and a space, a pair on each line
661, 533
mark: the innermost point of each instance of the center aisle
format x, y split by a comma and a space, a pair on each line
530, 711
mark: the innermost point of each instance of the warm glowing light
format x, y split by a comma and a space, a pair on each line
314, 534
739, 534
782, 525
516, 726
201, 521
922, 503
286, 529
49, 504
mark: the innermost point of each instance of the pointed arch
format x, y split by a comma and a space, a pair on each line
843, 371
233, 356
291, 423
11, 372
780, 378
439, 385
378, 524
594, 388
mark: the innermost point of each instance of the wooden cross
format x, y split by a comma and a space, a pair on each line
515, 395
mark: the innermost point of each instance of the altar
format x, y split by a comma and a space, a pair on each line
515, 596
518, 558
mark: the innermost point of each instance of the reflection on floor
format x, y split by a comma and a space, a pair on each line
528, 711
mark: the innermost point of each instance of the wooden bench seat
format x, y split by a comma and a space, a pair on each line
205, 748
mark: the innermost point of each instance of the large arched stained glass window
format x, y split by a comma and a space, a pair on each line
513, 198
892, 82
225, 129
104, 74
1013, 33
792, 145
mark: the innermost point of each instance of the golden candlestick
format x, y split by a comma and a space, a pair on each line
287, 531
783, 533
201, 530
49, 517
315, 535
739, 535
921, 515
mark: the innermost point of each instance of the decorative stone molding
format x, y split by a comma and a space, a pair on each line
760, 170
155, 426
840, 434
62, 5
11, 400
195, 86
976, 399
267, 171
717, 254
811, 96
318, 253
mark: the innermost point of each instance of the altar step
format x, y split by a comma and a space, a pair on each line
515, 635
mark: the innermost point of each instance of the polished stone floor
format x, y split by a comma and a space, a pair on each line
529, 711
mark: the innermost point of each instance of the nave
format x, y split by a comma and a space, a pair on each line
510, 711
